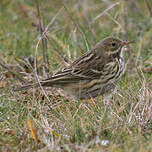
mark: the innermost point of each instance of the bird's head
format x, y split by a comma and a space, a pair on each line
113, 45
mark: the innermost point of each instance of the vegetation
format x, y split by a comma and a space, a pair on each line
47, 120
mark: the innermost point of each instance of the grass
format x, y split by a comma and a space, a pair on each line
122, 123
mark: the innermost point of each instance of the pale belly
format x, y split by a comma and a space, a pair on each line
93, 88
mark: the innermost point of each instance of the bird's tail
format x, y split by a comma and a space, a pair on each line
25, 87
44, 83
56, 81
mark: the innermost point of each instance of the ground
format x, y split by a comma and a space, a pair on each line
42, 120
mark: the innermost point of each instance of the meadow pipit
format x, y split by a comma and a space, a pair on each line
94, 73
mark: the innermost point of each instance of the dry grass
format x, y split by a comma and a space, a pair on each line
46, 120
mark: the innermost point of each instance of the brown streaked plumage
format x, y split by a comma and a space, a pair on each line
92, 74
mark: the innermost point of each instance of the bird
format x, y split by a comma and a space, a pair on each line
94, 73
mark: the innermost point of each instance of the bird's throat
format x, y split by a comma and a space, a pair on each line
117, 54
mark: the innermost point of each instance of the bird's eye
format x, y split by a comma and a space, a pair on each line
113, 44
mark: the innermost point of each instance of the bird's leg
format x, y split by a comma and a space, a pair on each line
81, 99
92, 102
106, 99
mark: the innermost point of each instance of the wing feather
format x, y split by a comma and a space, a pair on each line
88, 66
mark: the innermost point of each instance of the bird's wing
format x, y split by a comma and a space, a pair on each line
88, 66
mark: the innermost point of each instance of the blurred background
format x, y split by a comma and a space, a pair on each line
75, 26
56, 32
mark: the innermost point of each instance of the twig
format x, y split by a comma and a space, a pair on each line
44, 41
124, 21
84, 5
139, 52
78, 27
59, 53
37, 77
142, 40
114, 20
51, 42
45, 34
125, 33
53, 19
149, 7
12, 72
104, 12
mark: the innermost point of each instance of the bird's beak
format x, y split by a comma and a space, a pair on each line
126, 43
